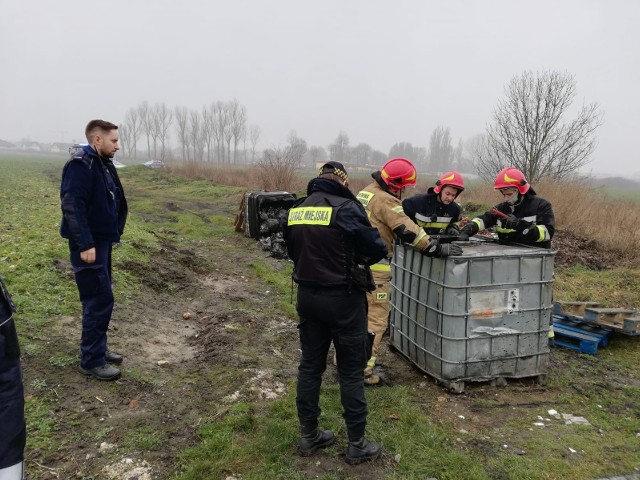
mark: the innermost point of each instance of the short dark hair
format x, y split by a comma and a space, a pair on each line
94, 125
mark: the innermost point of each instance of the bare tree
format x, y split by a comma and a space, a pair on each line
132, 121
208, 127
278, 168
125, 139
339, 149
315, 155
254, 136
238, 122
195, 135
378, 158
528, 131
440, 150
146, 123
361, 153
182, 126
163, 116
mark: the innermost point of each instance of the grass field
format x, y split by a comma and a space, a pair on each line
224, 407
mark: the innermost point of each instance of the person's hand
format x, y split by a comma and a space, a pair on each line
469, 230
452, 230
511, 222
436, 249
88, 256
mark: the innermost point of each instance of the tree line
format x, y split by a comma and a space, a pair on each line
527, 131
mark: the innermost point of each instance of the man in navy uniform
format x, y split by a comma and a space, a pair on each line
94, 212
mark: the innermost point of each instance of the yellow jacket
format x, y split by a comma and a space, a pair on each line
386, 214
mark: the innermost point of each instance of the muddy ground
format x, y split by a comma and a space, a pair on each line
175, 374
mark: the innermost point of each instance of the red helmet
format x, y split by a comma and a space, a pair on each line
512, 178
450, 179
398, 173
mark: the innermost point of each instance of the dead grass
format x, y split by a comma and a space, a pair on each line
585, 211
579, 207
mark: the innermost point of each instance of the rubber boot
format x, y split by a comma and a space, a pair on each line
362, 450
313, 439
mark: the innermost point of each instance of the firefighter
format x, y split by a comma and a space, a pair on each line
523, 217
332, 244
13, 427
382, 201
436, 211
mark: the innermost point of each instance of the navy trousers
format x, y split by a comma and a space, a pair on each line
96, 295
13, 430
340, 316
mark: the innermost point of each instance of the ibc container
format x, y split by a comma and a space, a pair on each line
482, 316
256, 202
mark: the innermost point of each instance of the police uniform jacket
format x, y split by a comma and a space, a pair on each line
92, 199
434, 216
329, 237
386, 214
538, 223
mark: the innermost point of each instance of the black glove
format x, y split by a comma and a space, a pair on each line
436, 249
469, 230
452, 230
511, 222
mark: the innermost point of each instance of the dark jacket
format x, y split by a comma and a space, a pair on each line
329, 237
538, 224
434, 216
93, 203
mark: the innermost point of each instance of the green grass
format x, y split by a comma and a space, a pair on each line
611, 288
257, 440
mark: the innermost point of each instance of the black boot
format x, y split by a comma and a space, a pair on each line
362, 450
313, 439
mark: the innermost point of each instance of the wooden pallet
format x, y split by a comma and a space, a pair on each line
621, 320
579, 336
573, 309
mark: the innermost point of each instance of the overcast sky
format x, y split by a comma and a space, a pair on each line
381, 71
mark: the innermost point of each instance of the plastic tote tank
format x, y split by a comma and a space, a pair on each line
482, 316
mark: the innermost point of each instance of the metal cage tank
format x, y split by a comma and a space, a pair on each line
482, 316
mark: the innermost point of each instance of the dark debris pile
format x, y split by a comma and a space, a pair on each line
271, 240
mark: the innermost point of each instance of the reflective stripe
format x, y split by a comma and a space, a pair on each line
427, 222
310, 216
479, 222
501, 229
371, 362
551, 333
544, 233
420, 236
397, 209
364, 197
381, 266
531, 219
440, 226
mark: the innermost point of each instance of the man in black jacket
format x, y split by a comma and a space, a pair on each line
94, 212
13, 429
523, 217
332, 244
437, 211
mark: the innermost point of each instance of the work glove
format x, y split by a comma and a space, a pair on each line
511, 222
436, 249
469, 230
452, 230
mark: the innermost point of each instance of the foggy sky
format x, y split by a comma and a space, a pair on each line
381, 71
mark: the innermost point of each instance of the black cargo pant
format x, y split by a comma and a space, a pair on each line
13, 430
340, 316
